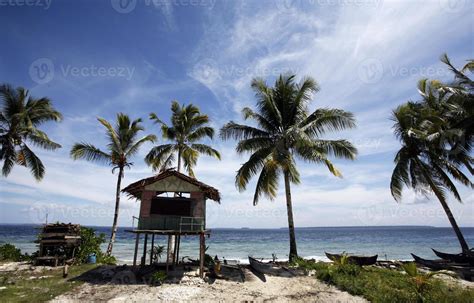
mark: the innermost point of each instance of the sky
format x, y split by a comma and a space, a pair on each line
98, 58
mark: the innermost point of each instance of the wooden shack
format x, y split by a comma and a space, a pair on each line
171, 204
58, 243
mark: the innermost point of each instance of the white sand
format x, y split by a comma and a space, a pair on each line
275, 289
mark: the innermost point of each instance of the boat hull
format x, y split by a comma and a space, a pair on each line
457, 258
265, 268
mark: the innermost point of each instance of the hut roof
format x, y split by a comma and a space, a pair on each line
135, 189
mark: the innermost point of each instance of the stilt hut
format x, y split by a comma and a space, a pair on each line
174, 205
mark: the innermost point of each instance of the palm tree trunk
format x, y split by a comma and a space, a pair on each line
179, 159
116, 214
291, 224
447, 210
457, 230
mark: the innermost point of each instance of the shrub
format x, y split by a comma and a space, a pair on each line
90, 244
9, 252
158, 278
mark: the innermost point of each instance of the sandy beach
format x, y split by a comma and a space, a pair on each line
190, 288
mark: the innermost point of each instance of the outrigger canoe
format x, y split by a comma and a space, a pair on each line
457, 258
264, 267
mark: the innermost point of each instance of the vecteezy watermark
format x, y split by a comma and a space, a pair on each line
208, 70
127, 6
371, 70
288, 6
453, 6
215, 214
381, 212
45, 4
43, 211
43, 71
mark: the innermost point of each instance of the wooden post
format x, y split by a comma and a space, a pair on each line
137, 240
144, 250
177, 253
175, 250
152, 247
168, 253
202, 247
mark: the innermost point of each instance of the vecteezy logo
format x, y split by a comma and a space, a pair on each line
370, 71
206, 70
285, 6
452, 6
124, 6
39, 212
42, 70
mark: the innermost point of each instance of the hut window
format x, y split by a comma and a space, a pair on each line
171, 206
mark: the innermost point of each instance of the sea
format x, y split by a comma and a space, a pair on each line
389, 242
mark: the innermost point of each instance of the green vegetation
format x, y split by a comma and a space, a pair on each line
9, 252
90, 244
20, 117
420, 281
385, 285
39, 286
157, 252
188, 127
123, 144
437, 135
158, 278
286, 131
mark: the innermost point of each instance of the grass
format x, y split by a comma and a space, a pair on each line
47, 284
385, 285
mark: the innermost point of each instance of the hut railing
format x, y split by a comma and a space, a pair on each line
191, 224
178, 223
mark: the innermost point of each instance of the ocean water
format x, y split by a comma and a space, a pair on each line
391, 243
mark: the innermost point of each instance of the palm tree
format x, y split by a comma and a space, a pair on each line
20, 118
188, 127
286, 131
123, 144
427, 161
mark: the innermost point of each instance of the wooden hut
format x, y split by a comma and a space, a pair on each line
171, 204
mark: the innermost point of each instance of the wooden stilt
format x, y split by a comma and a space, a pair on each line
175, 260
202, 246
177, 253
152, 248
136, 250
168, 253
144, 250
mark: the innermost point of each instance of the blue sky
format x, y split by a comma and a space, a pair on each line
96, 58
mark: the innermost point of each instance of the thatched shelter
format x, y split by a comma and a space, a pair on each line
172, 204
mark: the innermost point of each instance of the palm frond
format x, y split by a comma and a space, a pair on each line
324, 120
90, 153
33, 162
206, 150
236, 131
267, 183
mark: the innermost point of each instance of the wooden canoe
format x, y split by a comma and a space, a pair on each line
457, 258
432, 264
462, 269
359, 260
264, 267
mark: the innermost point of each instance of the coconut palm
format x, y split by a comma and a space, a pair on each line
20, 117
286, 131
123, 143
423, 162
187, 128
